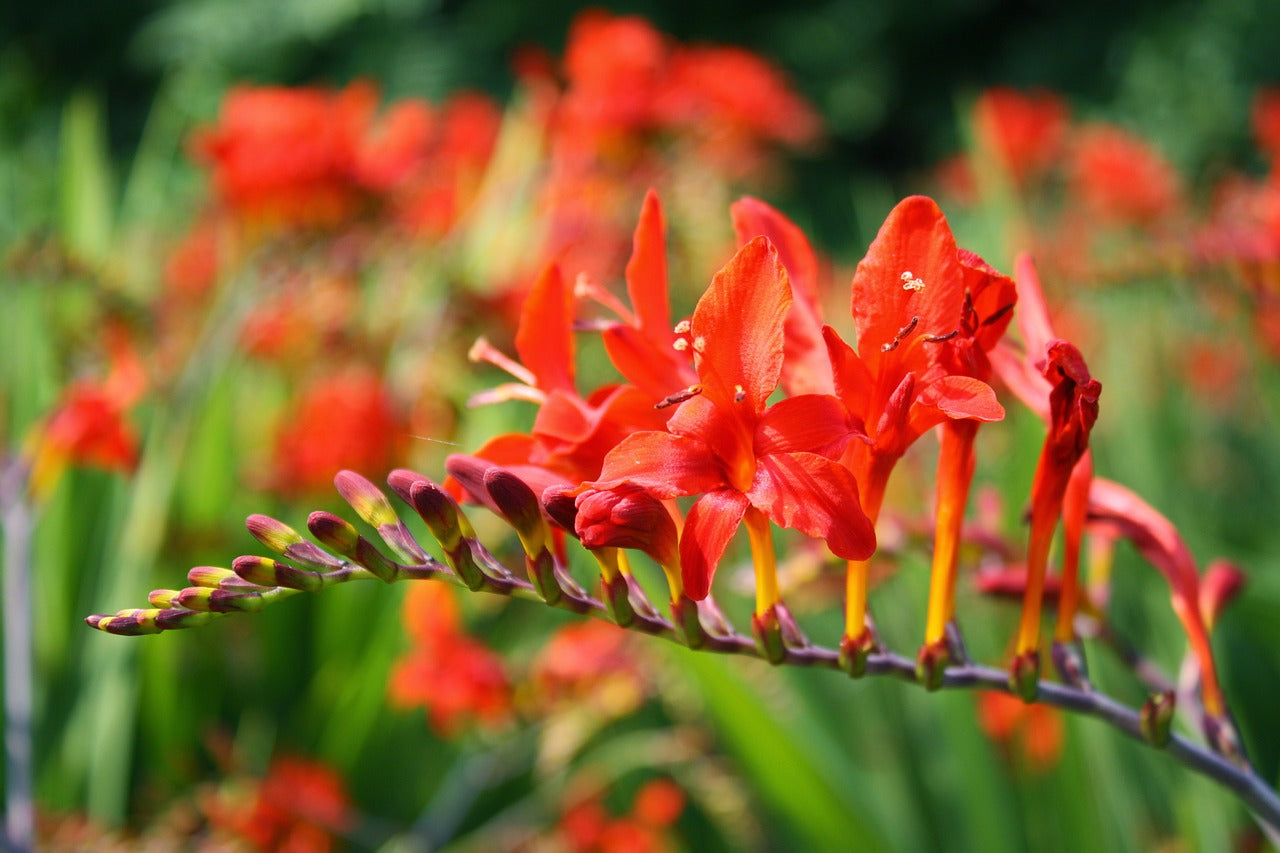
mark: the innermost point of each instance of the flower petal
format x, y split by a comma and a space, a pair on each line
655, 369
817, 496
806, 368
957, 398
915, 239
666, 465
647, 271
810, 423
708, 528
544, 338
737, 328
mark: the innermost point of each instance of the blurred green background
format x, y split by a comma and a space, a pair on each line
96, 101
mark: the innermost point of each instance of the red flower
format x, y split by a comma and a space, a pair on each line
588, 663
1266, 120
345, 420
1120, 177
909, 297
724, 445
455, 678
285, 156
1023, 131
1036, 730
88, 425
297, 807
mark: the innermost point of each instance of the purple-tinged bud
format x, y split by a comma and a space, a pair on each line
519, 506
266, 572
272, 533
174, 618
1223, 737
1156, 718
1024, 675
628, 517
126, 623
215, 577
334, 532
469, 471
438, 509
219, 600
402, 481
365, 498
559, 503
161, 598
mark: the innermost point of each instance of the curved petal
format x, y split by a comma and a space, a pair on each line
737, 328
753, 218
544, 338
647, 271
1033, 313
817, 496
957, 398
656, 370
708, 528
853, 382
666, 465
914, 239
810, 423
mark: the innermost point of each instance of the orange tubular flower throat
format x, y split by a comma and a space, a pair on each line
1073, 408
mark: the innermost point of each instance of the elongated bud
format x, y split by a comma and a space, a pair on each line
219, 600
336, 533
171, 619
519, 506
267, 572
214, 577
627, 517
438, 509
1156, 718
284, 540
126, 623
375, 509
559, 503
1024, 675
162, 598
1222, 736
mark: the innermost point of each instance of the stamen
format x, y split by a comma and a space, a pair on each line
680, 344
910, 282
482, 350
585, 288
678, 397
699, 344
683, 327
902, 333
1004, 309
937, 339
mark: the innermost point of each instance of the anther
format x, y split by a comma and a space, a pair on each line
680, 344
739, 394
682, 328
1004, 309
699, 344
678, 397
902, 333
910, 282
937, 339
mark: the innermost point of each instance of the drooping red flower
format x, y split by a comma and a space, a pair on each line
725, 445
342, 420
1120, 177
1023, 131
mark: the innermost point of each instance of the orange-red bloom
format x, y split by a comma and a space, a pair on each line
455, 678
1024, 132
298, 807
1121, 178
723, 444
1035, 730
343, 420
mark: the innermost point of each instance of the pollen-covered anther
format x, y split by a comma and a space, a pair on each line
683, 327
699, 344
680, 344
910, 282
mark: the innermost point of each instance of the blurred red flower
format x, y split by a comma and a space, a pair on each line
341, 420
1120, 177
298, 807
1035, 730
1023, 131
455, 678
